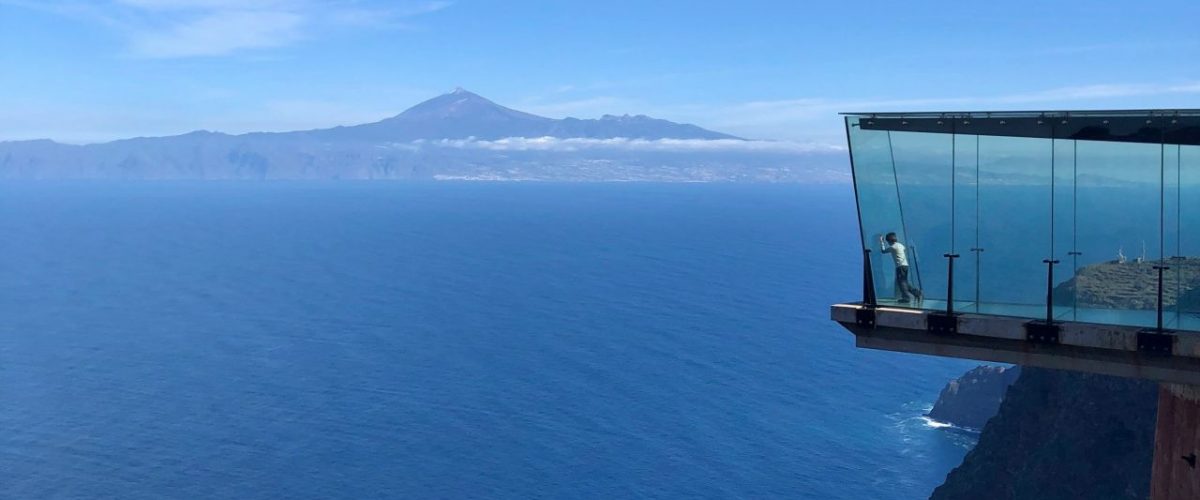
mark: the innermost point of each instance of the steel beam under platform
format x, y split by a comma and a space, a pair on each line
1171, 358
1124, 351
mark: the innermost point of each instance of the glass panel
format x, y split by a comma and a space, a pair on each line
878, 202
1188, 188
1063, 228
1171, 249
925, 172
966, 215
1014, 224
1118, 200
1106, 204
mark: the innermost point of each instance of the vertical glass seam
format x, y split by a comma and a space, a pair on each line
953, 207
1162, 211
978, 223
900, 208
1074, 227
1053, 155
854, 181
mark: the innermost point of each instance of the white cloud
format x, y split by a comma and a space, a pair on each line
219, 33
195, 28
806, 108
555, 144
1099, 91
817, 118
85, 123
202, 4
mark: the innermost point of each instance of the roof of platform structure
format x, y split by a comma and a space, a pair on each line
1028, 114
1150, 126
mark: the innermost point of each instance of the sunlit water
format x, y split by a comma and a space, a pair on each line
355, 340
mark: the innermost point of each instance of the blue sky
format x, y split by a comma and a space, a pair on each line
86, 71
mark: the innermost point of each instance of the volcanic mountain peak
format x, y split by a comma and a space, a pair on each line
462, 103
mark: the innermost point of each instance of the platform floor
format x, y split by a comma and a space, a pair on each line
1082, 346
1172, 320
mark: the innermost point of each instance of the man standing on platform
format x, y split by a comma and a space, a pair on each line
904, 290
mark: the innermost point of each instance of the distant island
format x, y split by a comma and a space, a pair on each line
455, 136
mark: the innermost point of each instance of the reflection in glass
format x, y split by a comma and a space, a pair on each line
1104, 200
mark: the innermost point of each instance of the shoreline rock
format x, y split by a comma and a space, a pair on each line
972, 399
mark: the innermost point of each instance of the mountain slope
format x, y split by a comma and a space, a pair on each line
457, 115
446, 137
462, 114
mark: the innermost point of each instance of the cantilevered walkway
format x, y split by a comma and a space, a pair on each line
1057, 239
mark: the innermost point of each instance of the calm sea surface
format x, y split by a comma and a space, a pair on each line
369, 340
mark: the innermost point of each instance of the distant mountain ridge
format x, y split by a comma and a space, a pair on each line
446, 137
462, 114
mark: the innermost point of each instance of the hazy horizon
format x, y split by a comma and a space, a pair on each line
99, 71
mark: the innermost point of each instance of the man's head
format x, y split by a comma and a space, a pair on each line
891, 237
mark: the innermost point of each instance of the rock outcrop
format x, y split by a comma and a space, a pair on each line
1062, 435
1132, 285
969, 401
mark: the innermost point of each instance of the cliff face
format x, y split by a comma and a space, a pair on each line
969, 401
1062, 435
1073, 435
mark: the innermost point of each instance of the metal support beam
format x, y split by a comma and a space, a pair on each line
950, 282
865, 317
1042, 332
1156, 341
1050, 289
941, 324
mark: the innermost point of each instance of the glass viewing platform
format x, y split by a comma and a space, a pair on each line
1058, 239
1088, 216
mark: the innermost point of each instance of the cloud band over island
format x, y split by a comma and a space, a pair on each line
557, 144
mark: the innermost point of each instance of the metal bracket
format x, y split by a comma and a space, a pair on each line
865, 316
941, 323
1042, 332
868, 280
950, 284
1155, 341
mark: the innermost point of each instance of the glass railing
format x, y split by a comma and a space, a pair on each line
1080, 216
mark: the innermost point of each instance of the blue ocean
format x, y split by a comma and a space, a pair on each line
448, 340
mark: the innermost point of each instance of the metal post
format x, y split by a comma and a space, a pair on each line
950, 282
1159, 324
868, 280
916, 265
1050, 289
